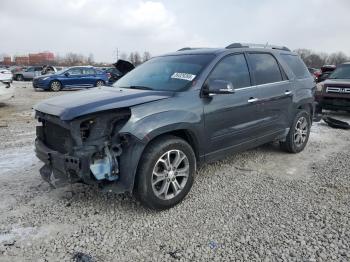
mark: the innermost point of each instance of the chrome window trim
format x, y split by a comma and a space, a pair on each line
262, 85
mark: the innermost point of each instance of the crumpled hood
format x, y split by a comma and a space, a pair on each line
75, 104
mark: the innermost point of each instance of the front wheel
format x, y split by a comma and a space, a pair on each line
55, 86
299, 133
165, 174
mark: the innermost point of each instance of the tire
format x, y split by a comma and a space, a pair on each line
55, 86
173, 184
299, 133
19, 78
100, 83
318, 109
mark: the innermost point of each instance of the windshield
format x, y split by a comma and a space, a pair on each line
170, 73
342, 72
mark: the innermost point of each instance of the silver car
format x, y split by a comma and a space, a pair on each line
28, 74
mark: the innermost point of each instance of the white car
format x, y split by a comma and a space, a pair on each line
6, 92
6, 76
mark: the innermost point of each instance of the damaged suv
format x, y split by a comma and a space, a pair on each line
148, 133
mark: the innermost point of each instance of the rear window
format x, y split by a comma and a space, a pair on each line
296, 65
265, 68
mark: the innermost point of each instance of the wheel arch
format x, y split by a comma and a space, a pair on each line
134, 154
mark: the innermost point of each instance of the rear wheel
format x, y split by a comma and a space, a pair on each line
165, 174
19, 77
55, 86
299, 133
100, 83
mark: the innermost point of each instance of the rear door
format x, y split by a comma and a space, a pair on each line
230, 119
275, 93
88, 78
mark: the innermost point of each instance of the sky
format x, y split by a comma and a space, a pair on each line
101, 27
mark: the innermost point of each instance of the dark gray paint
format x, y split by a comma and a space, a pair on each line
217, 125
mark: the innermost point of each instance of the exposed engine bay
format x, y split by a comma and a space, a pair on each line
86, 149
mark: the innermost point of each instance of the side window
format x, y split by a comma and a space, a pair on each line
265, 68
30, 69
88, 71
232, 68
75, 71
296, 65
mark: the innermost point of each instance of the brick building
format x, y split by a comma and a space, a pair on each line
21, 60
41, 58
7, 60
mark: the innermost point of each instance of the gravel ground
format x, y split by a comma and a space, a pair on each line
261, 204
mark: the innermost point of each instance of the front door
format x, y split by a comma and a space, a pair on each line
72, 77
231, 119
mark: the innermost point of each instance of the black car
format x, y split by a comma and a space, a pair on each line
121, 67
334, 93
148, 133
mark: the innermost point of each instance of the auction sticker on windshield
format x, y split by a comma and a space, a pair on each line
183, 76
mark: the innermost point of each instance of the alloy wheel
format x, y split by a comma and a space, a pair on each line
55, 86
300, 131
170, 174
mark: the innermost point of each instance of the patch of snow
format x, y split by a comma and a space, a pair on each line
17, 159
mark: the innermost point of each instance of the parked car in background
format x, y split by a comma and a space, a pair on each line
15, 69
6, 76
334, 92
28, 73
148, 133
326, 70
121, 67
47, 69
78, 76
6, 92
314, 72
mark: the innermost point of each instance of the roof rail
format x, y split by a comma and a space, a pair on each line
185, 48
190, 48
246, 45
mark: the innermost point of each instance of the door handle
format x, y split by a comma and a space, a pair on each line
252, 100
287, 92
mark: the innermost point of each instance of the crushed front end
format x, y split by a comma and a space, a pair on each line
87, 149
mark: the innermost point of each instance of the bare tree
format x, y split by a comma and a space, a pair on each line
90, 59
146, 56
132, 58
137, 59
314, 59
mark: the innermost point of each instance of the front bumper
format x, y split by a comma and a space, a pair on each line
60, 169
6, 80
40, 84
333, 103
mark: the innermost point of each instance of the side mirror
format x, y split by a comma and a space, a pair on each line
66, 74
218, 87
